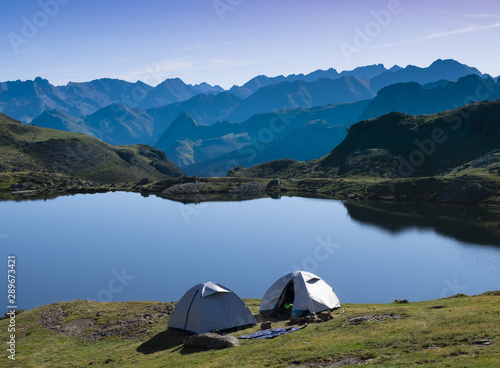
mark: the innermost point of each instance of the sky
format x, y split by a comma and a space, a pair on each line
228, 42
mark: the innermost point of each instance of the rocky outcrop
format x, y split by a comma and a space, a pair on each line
251, 188
211, 341
183, 189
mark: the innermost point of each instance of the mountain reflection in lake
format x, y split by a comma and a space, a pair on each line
468, 224
121, 246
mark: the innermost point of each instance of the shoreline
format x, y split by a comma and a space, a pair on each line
474, 191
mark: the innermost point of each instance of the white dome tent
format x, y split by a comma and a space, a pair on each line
306, 291
208, 307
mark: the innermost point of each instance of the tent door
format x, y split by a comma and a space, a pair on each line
287, 297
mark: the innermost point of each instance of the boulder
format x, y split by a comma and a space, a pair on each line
266, 325
275, 183
211, 341
143, 181
311, 319
251, 188
324, 316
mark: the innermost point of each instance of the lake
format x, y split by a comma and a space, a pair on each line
122, 246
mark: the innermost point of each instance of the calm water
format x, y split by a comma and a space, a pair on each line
121, 246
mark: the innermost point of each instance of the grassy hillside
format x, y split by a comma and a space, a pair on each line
45, 153
460, 331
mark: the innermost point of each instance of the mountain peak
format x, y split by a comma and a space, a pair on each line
185, 119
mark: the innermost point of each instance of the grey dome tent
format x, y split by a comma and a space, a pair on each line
305, 290
208, 307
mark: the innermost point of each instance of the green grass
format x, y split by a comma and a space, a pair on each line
422, 336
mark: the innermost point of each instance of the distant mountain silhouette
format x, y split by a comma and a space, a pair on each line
25, 100
415, 99
175, 90
302, 94
364, 72
440, 69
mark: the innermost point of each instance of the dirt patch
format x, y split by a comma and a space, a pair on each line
338, 363
374, 318
102, 325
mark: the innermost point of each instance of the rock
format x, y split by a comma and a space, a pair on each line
324, 316
401, 301
483, 342
473, 193
19, 186
211, 341
294, 321
110, 360
184, 189
266, 325
311, 319
251, 188
275, 183
143, 181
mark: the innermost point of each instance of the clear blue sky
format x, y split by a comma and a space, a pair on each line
227, 42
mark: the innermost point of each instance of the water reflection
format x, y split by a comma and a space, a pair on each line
468, 224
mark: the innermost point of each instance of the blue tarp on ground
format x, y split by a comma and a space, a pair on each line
273, 332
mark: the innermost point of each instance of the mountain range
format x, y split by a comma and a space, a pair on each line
207, 131
26, 100
306, 133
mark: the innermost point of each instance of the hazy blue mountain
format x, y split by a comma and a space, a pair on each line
309, 141
440, 69
119, 124
88, 97
395, 69
204, 108
175, 90
212, 150
302, 94
56, 119
415, 99
364, 72
25, 100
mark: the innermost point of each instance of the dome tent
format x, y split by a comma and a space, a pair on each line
305, 290
210, 306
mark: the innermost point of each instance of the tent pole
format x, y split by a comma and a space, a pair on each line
187, 314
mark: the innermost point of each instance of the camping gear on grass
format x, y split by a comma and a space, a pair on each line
208, 307
306, 292
269, 334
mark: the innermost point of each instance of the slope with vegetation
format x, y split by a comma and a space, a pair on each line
457, 331
33, 158
452, 156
